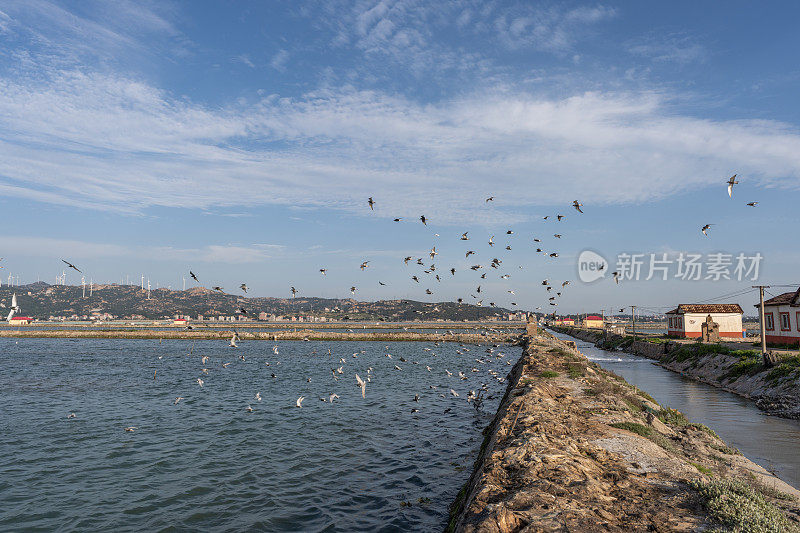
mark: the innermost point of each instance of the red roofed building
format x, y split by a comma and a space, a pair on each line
593, 321
782, 318
20, 320
686, 320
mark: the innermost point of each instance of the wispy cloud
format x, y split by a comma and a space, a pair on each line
673, 48
111, 142
278, 61
33, 246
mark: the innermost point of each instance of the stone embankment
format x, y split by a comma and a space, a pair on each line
286, 335
576, 448
775, 389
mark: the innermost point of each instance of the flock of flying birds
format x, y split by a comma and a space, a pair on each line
429, 269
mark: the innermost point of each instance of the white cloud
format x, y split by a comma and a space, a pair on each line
114, 143
674, 48
76, 250
278, 61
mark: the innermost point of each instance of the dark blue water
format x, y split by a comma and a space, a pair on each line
206, 463
770, 441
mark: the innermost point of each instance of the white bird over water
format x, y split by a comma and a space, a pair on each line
363, 386
233, 341
258, 396
200, 382
299, 402
333, 397
179, 398
454, 393
131, 428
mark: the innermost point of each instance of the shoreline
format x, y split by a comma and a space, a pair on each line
574, 447
278, 335
776, 393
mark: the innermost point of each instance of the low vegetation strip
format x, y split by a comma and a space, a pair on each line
299, 335
576, 448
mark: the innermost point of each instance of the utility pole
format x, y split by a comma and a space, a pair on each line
91, 286
633, 315
142, 281
83, 284
148, 288
763, 326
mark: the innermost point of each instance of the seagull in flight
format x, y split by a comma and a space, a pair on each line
299, 402
398, 219
364, 265
323, 270
218, 289
490, 199
193, 276
464, 236
361, 383
491, 240
371, 203
731, 182
179, 398
559, 217
577, 206
706, 227
352, 291
616, 276
423, 220
70, 265
752, 204
294, 292
243, 286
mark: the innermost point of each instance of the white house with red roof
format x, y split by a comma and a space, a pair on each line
782, 318
593, 321
686, 320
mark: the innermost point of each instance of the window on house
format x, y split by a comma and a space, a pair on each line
768, 323
785, 323
797, 320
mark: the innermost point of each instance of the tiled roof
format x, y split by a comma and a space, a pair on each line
706, 308
787, 298
593, 317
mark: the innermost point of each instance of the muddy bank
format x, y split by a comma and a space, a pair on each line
774, 389
294, 335
575, 448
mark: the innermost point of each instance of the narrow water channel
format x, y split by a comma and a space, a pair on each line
770, 441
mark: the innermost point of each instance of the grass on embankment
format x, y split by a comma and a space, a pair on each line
741, 507
749, 362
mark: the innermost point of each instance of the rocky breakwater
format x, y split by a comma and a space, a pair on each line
576, 448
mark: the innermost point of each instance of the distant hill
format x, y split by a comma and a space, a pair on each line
41, 300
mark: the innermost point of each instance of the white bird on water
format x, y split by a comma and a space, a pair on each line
258, 396
300, 401
361, 383
454, 393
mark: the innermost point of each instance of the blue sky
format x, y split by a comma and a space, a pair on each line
242, 139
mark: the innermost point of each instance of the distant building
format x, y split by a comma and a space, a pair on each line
20, 320
686, 320
593, 321
782, 318
180, 321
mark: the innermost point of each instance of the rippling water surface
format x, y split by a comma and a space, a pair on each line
770, 441
206, 463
